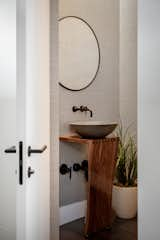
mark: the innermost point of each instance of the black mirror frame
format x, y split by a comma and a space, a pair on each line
99, 53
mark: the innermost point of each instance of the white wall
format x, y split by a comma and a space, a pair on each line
7, 170
7, 119
149, 118
128, 64
8, 48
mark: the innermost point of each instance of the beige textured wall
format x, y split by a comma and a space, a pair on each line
128, 63
102, 96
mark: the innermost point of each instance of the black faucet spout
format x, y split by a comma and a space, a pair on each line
91, 113
82, 109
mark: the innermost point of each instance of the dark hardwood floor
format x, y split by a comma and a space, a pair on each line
121, 230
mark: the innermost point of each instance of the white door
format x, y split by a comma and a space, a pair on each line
24, 120
37, 118
149, 119
33, 77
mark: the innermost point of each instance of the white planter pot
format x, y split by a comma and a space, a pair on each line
124, 201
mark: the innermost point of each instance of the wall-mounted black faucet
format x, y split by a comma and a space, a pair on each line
82, 109
83, 166
64, 169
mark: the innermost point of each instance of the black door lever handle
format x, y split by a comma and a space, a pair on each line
30, 172
10, 150
13, 150
31, 151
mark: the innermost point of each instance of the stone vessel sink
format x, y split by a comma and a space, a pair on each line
93, 129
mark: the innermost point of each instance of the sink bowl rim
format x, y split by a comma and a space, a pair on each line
92, 123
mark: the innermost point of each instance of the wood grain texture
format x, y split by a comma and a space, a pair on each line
74, 139
102, 160
102, 155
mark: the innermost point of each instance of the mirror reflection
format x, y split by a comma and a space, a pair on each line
79, 53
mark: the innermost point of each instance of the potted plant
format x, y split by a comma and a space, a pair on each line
124, 198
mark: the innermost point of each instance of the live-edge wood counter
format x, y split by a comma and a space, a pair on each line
102, 155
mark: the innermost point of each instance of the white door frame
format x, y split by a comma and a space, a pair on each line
148, 119
54, 97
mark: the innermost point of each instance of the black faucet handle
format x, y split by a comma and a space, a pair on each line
76, 167
84, 165
75, 109
64, 169
85, 108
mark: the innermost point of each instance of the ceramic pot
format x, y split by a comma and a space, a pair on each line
124, 201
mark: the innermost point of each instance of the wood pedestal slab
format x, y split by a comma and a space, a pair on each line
102, 155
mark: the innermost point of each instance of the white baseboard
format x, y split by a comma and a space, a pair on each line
72, 212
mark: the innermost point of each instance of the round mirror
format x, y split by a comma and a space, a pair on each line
79, 53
